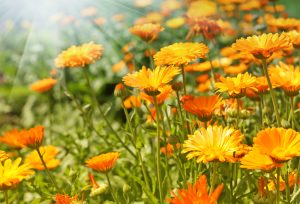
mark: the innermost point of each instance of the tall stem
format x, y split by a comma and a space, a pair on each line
6, 196
238, 113
183, 79
264, 64
292, 111
213, 177
278, 186
47, 170
111, 189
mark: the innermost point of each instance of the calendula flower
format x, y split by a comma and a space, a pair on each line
255, 160
213, 143
202, 9
263, 46
203, 106
235, 87
147, 31
203, 26
104, 162
43, 85
163, 95
236, 69
175, 22
180, 54
3, 156
278, 143
66, 199
132, 101
12, 173
49, 153
292, 177
149, 80
295, 38
33, 137
197, 193
79, 56
284, 24
12, 138
261, 84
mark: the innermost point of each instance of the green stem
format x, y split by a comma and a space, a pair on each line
292, 112
47, 170
111, 189
6, 196
183, 79
288, 192
261, 116
158, 150
265, 69
213, 176
238, 113
278, 186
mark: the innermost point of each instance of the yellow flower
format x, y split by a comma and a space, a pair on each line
213, 143
278, 143
103, 162
295, 38
12, 173
33, 137
180, 53
151, 80
196, 194
175, 22
79, 56
292, 177
202, 9
235, 69
3, 156
147, 31
236, 86
284, 23
12, 138
43, 85
262, 46
48, 152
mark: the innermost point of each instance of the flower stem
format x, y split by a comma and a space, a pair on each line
111, 189
288, 191
213, 176
292, 111
264, 63
6, 196
183, 79
47, 170
238, 113
278, 186
158, 150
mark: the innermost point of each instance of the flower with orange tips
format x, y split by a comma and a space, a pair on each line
149, 80
163, 95
213, 143
103, 162
3, 156
12, 138
33, 137
12, 173
79, 56
197, 193
180, 53
263, 46
132, 101
203, 106
284, 24
147, 31
65, 199
235, 87
43, 85
49, 153
278, 143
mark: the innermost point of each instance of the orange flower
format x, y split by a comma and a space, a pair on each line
164, 93
292, 177
3, 156
48, 152
235, 69
79, 56
33, 137
43, 85
204, 26
214, 143
180, 53
262, 46
65, 199
147, 31
295, 38
168, 150
203, 106
104, 162
285, 24
151, 80
132, 101
12, 138
278, 143
197, 194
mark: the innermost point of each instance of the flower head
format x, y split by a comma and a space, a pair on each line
33, 137
147, 31
213, 143
285, 24
295, 38
12, 138
66, 199
79, 56
43, 85
12, 173
163, 95
103, 162
196, 194
263, 46
180, 54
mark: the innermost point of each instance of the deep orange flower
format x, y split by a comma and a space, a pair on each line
168, 150
180, 54
43, 85
12, 138
132, 101
103, 162
196, 194
163, 95
203, 106
263, 46
235, 69
33, 137
147, 32
79, 56
213, 143
65, 199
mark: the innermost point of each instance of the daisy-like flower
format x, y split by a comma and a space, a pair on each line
151, 81
12, 173
163, 95
284, 24
66, 199
235, 87
104, 162
180, 54
295, 38
79, 56
43, 85
49, 153
33, 137
197, 193
147, 31
278, 143
203, 106
12, 138
3, 156
263, 46
236, 69
214, 143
